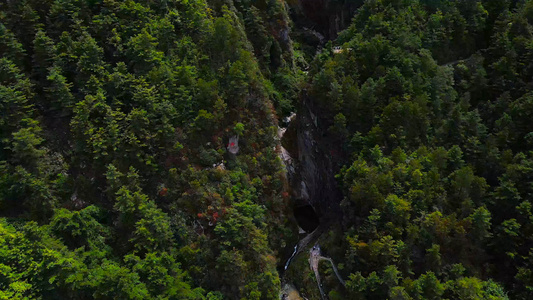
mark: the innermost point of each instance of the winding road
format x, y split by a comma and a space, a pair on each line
314, 258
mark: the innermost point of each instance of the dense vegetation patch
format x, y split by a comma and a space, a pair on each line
115, 179
430, 100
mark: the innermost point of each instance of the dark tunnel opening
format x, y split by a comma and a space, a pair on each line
306, 217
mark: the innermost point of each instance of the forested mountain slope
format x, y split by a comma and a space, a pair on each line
115, 179
139, 148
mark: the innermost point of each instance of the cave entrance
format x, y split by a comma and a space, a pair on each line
306, 217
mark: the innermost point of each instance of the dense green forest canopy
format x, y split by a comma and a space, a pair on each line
116, 117
115, 182
431, 101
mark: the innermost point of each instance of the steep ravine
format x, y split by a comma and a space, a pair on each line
316, 168
311, 157
311, 175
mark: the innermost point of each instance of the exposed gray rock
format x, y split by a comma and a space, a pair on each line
233, 145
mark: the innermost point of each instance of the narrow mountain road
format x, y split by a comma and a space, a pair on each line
314, 258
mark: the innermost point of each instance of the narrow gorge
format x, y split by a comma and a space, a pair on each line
311, 169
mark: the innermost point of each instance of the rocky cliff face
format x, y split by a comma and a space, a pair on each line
311, 168
313, 182
316, 167
325, 16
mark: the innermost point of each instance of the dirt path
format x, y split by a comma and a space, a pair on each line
334, 269
314, 258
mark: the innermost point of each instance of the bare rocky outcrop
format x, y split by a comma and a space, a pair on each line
316, 168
